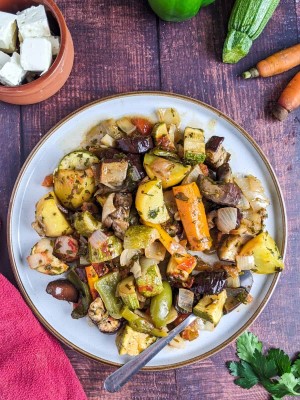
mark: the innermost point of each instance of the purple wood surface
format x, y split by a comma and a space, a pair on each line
121, 46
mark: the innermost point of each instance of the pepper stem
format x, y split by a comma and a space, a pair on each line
252, 73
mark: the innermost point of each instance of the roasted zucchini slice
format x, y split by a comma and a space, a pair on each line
210, 307
79, 159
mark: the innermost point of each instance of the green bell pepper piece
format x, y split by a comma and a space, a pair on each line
140, 324
177, 10
160, 306
85, 295
106, 286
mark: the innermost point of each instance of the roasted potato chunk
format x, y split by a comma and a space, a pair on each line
74, 187
49, 220
266, 255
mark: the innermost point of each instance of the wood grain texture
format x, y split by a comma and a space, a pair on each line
10, 140
120, 46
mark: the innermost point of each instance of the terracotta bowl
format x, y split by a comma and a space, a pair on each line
49, 83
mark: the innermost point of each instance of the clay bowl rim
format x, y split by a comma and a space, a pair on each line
57, 14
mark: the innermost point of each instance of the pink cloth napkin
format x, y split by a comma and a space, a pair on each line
33, 366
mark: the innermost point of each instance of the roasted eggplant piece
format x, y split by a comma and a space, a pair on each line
97, 310
102, 319
228, 194
224, 173
66, 248
113, 172
135, 163
119, 219
216, 155
230, 247
209, 283
62, 289
106, 153
235, 297
137, 144
109, 325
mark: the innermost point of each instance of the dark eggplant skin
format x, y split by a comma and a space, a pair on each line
135, 161
224, 173
227, 194
137, 144
104, 154
214, 143
216, 155
209, 283
235, 297
62, 289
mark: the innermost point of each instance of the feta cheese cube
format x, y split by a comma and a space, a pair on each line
8, 32
36, 54
4, 58
55, 43
33, 22
12, 74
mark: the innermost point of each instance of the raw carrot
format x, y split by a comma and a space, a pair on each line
192, 215
289, 99
92, 277
276, 64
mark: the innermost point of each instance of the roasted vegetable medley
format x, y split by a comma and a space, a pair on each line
126, 214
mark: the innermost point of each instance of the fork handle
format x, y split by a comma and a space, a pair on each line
122, 375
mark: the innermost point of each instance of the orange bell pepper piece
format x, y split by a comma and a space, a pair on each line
92, 277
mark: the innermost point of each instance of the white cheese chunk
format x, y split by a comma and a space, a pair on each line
4, 58
36, 54
12, 74
55, 43
8, 32
33, 22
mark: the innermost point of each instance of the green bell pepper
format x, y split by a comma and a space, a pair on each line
140, 324
160, 306
177, 10
85, 296
106, 286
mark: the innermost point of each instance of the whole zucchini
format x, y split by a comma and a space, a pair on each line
247, 21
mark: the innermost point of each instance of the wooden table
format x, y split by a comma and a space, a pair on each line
120, 46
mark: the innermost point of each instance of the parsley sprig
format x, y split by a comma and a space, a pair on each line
273, 370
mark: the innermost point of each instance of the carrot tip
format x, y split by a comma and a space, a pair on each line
280, 112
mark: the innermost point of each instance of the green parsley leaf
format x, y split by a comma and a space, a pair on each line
281, 360
274, 371
247, 378
246, 344
263, 367
284, 387
296, 368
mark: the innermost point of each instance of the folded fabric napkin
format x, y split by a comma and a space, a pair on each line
33, 366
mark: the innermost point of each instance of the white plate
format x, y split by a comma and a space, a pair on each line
66, 136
